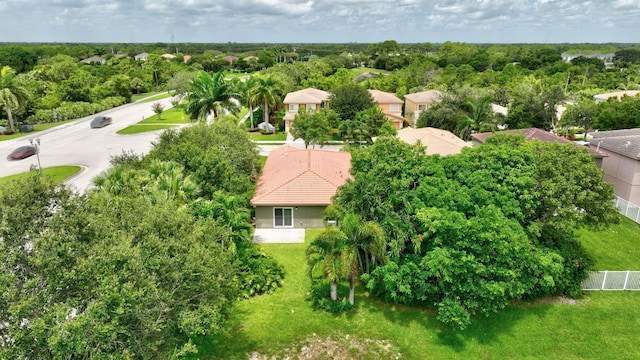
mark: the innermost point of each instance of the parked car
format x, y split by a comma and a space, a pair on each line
100, 121
22, 152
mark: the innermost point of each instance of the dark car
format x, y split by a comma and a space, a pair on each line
100, 121
22, 152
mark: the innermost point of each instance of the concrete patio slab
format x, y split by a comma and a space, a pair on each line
278, 236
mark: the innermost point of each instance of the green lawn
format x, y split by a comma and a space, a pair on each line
136, 129
58, 173
36, 129
169, 116
279, 136
616, 248
148, 97
361, 70
601, 326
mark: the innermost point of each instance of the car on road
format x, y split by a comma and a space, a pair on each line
100, 121
22, 152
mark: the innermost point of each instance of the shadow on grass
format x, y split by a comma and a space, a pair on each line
231, 344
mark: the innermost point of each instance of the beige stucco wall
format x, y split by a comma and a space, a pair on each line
624, 174
304, 217
289, 116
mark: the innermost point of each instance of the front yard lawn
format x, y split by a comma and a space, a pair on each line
58, 173
257, 136
135, 129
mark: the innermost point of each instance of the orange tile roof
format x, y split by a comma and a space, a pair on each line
436, 141
293, 176
383, 97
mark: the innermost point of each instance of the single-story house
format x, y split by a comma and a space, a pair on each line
390, 105
617, 94
309, 98
415, 103
93, 60
622, 166
296, 186
435, 141
231, 58
142, 56
168, 56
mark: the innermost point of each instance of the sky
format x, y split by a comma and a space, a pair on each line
320, 21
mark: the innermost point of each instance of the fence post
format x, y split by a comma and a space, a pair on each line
626, 278
604, 279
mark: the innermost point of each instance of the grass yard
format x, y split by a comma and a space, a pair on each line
169, 116
279, 136
604, 325
361, 70
136, 129
616, 248
58, 173
149, 97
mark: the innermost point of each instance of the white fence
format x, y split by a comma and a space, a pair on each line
628, 209
612, 280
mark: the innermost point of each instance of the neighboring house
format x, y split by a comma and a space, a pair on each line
142, 56
168, 56
618, 94
296, 186
622, 166
93, 60
186, 58
416, 103
436, 141
250, 58
309, 98
542, 135
230, 58
390, 105
499, 109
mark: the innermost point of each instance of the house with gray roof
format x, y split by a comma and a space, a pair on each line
622, 166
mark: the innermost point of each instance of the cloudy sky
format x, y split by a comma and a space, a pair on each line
330, 21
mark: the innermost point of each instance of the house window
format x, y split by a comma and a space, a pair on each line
293, 107
311, 106
421, 107
394, 107
283, 217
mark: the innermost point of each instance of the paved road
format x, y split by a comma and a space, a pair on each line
77, 144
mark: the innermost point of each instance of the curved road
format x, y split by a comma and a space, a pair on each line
76, 143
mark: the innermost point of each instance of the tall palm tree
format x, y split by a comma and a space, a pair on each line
365, 246
325, 257
211, 94
267, 91
230, 211
249, 97
12, 93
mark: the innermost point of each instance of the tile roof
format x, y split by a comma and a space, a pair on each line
436, 141
306, 96
618, 94
623, 142
425, 96
293, 176
381, 97
536, 134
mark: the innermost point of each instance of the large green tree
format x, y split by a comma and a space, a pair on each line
311, 126
348, 100
267, 92
107, 277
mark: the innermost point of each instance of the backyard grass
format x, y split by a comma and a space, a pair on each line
361, 70
615, 248
58, 173
603, 325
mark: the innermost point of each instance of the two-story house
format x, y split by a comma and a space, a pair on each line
305, 99
390, 105
416, 103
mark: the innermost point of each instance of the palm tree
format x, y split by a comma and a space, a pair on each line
231, 212
267, 91
168, 181
365, 246
479, 117
12, 93
211, 94
325, 256
248, 91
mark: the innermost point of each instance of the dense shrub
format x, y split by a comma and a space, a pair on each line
319, 299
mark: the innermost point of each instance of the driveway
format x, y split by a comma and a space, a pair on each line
278, 236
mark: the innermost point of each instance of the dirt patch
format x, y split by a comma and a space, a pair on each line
552, 300
339, 347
